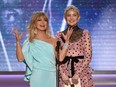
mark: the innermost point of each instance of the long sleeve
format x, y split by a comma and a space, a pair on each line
87, 53
87, 49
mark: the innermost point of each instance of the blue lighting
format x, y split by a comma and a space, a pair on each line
96, 16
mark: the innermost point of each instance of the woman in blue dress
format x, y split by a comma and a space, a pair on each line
38, 52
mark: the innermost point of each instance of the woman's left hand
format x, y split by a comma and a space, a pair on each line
75, 79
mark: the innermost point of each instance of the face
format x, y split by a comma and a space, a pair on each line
41, 24
72, 17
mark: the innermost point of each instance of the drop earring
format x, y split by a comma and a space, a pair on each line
35, 31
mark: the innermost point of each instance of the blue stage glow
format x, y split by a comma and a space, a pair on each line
96, 16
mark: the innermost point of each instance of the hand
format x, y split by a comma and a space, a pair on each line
75, 79
68, 34
65, 79
17, 35
66, 82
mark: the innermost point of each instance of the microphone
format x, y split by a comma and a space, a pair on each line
58, 49
58, 46
58, 43
57, 62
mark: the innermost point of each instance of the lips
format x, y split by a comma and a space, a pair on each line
72, 22
42, 25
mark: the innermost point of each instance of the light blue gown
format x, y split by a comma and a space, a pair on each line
40, 63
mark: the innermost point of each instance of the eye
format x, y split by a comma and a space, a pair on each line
68, 15
74, 14
38, 19
46, 20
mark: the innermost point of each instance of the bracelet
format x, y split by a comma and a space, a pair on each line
65, 45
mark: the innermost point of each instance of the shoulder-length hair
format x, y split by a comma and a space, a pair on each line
31, 27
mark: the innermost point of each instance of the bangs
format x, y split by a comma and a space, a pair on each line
42, 15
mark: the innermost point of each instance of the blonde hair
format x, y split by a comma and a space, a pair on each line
71, 7
31, 27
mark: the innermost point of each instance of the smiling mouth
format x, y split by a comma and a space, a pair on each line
42, 25
71, 21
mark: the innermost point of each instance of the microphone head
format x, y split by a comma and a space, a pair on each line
57, 46
58, 43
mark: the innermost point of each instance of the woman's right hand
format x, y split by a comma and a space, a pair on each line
68, 34
66, 79
17, 35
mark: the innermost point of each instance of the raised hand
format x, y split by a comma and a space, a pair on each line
17, 35
68, 34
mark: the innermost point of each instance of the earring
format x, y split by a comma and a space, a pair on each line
35, 31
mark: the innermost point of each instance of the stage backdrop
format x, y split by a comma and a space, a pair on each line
98, 16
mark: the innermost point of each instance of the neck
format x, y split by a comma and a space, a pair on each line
75, 27
41, 35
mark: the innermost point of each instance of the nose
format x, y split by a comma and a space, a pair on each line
71, 17
43, 21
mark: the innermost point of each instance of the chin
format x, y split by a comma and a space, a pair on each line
72, 25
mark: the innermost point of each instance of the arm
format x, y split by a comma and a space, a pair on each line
64, 49
86, 60
87, 50
19, 53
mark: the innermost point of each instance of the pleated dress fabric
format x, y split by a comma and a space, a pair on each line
39, 58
